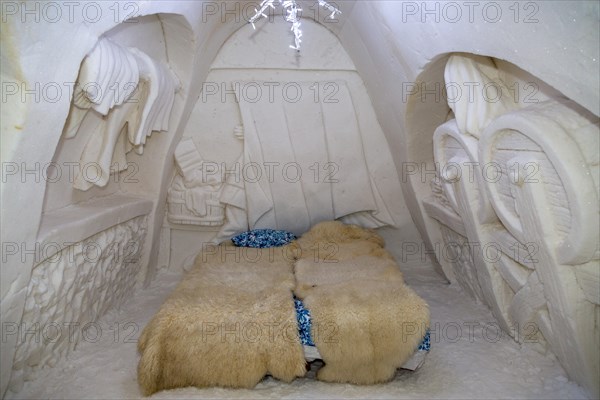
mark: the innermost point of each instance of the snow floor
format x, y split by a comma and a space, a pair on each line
467, 359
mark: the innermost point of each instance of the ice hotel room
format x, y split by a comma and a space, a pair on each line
300, 199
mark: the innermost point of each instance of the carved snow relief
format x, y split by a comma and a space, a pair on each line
193, 197
133, 95
558, 151
518, 205
305, 162
475, 110
70, 290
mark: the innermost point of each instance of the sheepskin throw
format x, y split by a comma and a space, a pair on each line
230, 322
365, 321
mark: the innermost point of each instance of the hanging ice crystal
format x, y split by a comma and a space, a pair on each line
292, 9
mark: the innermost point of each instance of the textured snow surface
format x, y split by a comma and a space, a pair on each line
467, 360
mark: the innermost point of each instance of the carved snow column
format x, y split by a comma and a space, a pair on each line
547, 198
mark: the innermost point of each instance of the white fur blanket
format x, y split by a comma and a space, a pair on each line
228, 323
366, 321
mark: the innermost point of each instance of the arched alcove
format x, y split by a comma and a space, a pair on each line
104, 227
259, 66
508, 237
427, 108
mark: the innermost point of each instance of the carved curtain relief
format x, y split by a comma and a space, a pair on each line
132, 94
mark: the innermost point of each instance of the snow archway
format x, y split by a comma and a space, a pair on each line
95, 235
283, 141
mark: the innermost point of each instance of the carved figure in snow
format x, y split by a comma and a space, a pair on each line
194, 194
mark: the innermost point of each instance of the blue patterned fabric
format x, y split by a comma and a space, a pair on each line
426, 343
303, 317
263, 238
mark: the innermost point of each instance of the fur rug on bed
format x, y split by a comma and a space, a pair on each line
230, 322
365, 321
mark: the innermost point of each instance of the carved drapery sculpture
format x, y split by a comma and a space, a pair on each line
517, 202
476, 92
305, 161
134, 96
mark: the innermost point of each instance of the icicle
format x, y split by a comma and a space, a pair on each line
261, 13
329, 7
292, 16
291, 8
